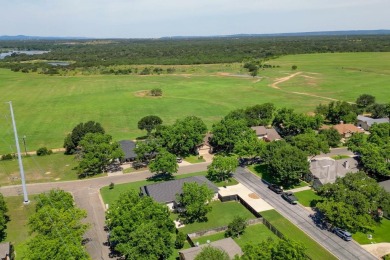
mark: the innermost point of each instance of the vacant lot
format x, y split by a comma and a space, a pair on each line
48, 107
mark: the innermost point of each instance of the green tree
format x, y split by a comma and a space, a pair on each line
147, 149
149, 123
3, 218
97, 152
140, 228
212, 253
56, 198
364, 101
340, 111
164, 163
294, 67
236, 227
260, 114
180, 240
377, 110
72, 140
310, 143
228, 132
195, 198
222, 167
44, 151
156, 91
352, 202
250, 147
332, 136
183, 137
287, 164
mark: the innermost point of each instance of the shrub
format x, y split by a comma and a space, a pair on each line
294, 67
156, 92
180, 239
7, 157
111, 186
44, 151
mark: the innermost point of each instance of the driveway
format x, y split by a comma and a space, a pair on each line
298, 215
87, 196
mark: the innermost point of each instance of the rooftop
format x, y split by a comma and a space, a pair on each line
327, 169
370, 121
385, 185
227, 244
260, 130
128, 148
165, 192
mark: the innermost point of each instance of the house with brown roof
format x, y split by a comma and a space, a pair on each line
227, 244
267, 134
346, 130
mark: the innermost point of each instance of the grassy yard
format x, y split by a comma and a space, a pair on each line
253, 234
339, 157
308, 198
221, 215
194, 159
17, 229
262, 171
54, 167
314, 250
57, 103
229, 182
381, 234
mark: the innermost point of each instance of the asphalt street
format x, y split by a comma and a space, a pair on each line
299, 216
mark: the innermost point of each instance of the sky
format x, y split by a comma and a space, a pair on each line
159, 18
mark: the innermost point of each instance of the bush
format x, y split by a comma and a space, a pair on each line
156, 92
294, 67
44, 151
7, 157
180, 239
111, 186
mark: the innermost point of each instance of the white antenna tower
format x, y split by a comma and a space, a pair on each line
26, 201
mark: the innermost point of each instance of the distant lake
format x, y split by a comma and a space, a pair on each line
5, 54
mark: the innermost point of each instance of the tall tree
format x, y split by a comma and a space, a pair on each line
97, 151
260, 114
212, 253
287, 164
311, 143
195, 198
364, 101
222, 167
332, 136
72, 140
249, 147
164, 163
3, 218
140, 228
377, 110
236, 227
149, 123
339, 111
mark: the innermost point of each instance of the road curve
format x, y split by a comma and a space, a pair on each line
299, 216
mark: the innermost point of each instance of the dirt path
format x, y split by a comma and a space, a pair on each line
280, 80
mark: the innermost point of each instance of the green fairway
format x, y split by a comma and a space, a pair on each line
253, 234
54, 167
314, 250
221, 215
48, 107
308, 198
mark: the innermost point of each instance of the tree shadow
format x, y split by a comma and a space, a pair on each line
160, 177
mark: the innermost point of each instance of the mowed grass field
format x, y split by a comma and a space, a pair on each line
48, 107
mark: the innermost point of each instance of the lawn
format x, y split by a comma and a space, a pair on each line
221, 215
56, 104
17, 229
314, 250
339, 157
253, 234
111, 195
381, 234
194, 159
54, 167
308, 198
262, 171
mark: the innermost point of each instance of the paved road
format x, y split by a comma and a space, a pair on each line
298, 215
87, 196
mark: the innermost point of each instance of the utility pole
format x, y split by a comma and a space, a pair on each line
25, 196
24, 143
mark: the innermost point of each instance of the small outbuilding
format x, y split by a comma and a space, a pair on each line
366, 122
227, 244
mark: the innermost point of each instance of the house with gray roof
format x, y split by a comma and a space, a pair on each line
5, 251
165, 192
327, 170
385, 185
366, 122
127, 147
227, 244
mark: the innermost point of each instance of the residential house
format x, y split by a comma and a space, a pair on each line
227, 244
327, 170
346, 130
127, 147
5, 251
267, 134
165, 192
366, 122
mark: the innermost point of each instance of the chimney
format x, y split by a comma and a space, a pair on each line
346, 165
341, 122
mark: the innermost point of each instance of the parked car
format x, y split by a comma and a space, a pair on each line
289, 197
275, 188
343, 234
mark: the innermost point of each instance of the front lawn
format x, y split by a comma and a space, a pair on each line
262, 171
229, 182
194, 159
221, 215
308, 198
381, 234
340, 156
288, 229
17, 229
253, 234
